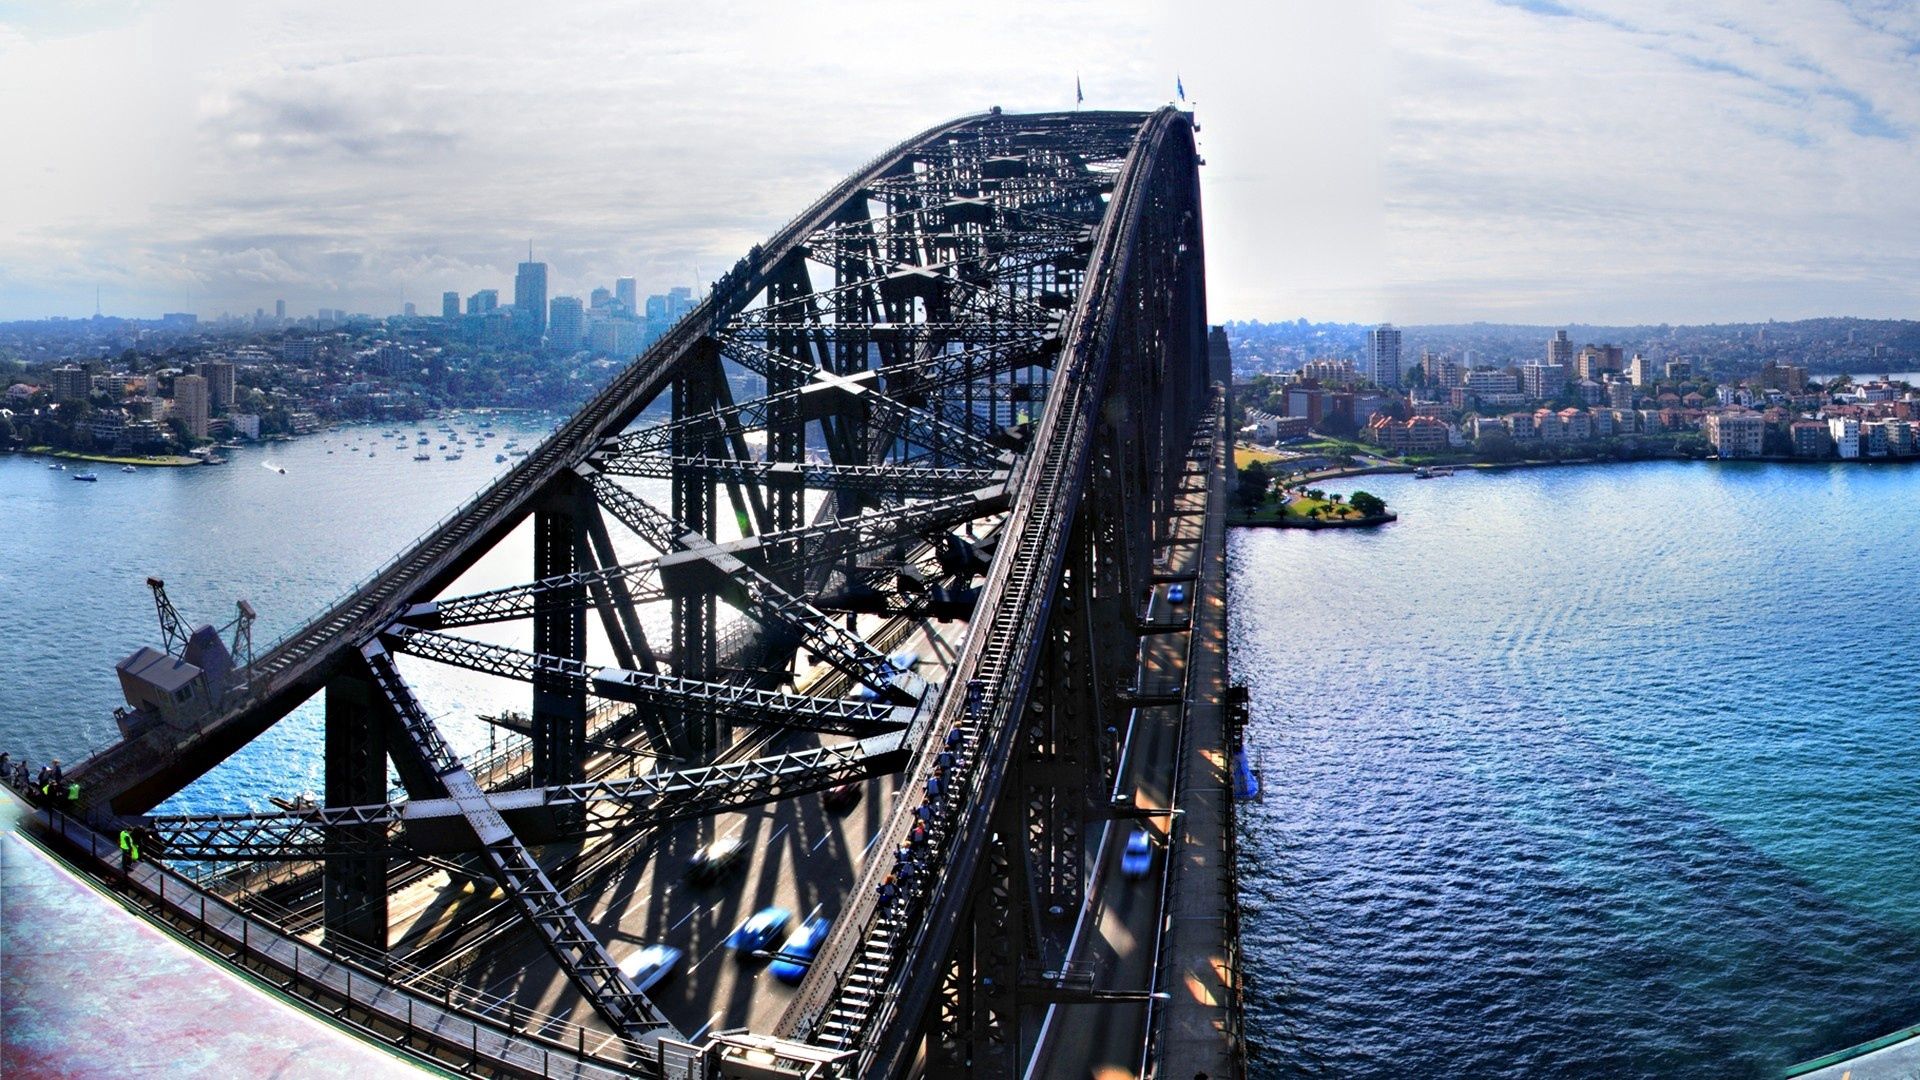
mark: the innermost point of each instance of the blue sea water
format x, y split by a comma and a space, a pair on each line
1588, 771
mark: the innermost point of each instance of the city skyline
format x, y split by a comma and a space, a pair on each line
1391, 161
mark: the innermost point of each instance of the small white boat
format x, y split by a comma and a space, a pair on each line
87, 476
127, 468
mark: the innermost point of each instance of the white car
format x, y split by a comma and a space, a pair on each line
649, 964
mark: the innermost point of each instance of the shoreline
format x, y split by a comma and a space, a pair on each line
1242, 521
161, 461
1505, 466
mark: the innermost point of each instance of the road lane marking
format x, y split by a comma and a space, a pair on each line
777, 832
824, 837
684, 918
703, 1028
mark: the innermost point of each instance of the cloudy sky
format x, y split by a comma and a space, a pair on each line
1411, 160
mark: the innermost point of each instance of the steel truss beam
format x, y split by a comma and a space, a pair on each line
902, 480
803, 712
568, 938
440, 826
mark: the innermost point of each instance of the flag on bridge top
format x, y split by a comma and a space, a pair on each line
1078, 97
1179, 87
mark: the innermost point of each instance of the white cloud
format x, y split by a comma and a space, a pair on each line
1419, 160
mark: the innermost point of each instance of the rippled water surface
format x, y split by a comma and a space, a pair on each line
1585, 772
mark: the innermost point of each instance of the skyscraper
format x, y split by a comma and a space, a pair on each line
563, 330
450, 306
627, 292
280, 310
190, 404
530, 299
1383, 354
483, 301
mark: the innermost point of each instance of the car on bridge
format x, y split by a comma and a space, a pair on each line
711, 862
649, 964
1137, 860
760, 928
791, 963
841, 796
1177, 593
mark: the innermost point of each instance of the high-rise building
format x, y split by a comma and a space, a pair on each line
1383, 354
190, 404
599, 299
1219, 355
530, 300
627, 292
408, 310
219, 376
72, 382
1542, 380
450, 306
679, 301
657, 307
564, 323
1560, 350
483, 301
1640, 371
280, 310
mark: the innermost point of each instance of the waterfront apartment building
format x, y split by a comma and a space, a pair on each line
1845, 433
1542, 380
1810, 439
72, 382
190, 404
1419, 435
1734, 434
1383, 355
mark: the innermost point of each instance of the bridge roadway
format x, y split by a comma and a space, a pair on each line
1119, 934
800, 856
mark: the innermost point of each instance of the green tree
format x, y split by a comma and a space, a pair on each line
1367, 503
1253, 484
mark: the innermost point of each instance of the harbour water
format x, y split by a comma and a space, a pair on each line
74, 559
1587, 771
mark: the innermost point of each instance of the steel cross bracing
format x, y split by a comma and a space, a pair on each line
863, 993
943, 371
541, 903
437, 825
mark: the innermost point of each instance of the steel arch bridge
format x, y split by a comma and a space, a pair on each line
958, 389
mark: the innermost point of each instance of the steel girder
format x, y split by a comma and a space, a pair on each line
803, 712
439, 826
902, 480
541, 903
863, 993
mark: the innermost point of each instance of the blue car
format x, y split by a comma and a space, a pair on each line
1137, 860
797, 954
1177, 593
761, 928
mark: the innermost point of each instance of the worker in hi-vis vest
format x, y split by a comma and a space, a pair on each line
129, 849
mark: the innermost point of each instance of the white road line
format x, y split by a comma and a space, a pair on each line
684, 918
711, 1020
776, 833
824, 837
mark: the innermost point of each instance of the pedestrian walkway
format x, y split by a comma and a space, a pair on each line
88, 989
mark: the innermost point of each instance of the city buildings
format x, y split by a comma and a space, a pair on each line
566, 321
450, 306
626, 293
484, 301
219, 376
530, 301
190, 404
1560, 350
1542, 380
1736, 433
1383, 355
1845, 433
